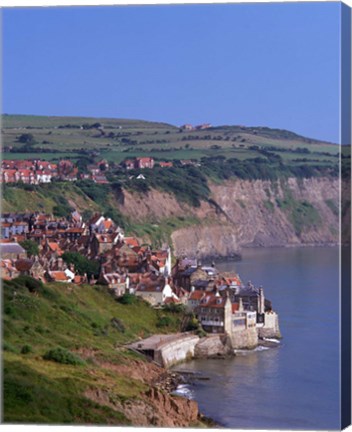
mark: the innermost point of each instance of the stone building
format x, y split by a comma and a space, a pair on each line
12, 251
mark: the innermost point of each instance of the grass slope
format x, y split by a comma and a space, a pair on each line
81, 320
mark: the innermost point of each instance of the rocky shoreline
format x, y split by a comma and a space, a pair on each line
170, 381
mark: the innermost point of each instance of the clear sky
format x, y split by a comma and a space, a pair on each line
273, 65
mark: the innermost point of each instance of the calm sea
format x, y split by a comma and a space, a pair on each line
294, 386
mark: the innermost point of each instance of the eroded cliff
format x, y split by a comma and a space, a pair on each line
245, 213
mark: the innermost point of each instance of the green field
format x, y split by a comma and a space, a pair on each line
117, 139
42, 156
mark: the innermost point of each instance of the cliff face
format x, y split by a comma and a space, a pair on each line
282, 213
248, 213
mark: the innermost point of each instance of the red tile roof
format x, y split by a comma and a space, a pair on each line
196, 295
58, 276
131, 241
23, 264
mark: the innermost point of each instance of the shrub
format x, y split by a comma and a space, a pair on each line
9, 310
174, 308
61, 355
192, 324
201, 333
33, 285
127, 299
8, 347
163, 321
26, 349
31, 247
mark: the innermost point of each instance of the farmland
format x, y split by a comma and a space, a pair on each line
118, 139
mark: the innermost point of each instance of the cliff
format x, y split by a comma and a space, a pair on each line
243, 213
236, 214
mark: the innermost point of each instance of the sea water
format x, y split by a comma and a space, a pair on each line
294, 385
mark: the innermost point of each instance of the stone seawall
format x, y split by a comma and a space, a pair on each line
213, 346
271, 328
176, 351
245, 338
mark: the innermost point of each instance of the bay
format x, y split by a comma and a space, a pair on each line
294, 386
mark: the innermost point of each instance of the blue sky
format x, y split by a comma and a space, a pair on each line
273, 65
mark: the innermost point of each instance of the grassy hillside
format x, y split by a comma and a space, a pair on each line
116, 139
88, 326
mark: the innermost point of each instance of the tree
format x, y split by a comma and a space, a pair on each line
26, 138
82, 264
30, 247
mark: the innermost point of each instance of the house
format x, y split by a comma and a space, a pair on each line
161, 261
65, 167
10, 176
253, 298
101, 243
144, 162
193, 276
12, 251
195, 298
129, 164
8, 270
114, 281
155, 290
76, 217
43, 176
214, 312
100, 179
6, 230
66, 276
166, 164
79, 280
131, 242
203, 126
187, 127
31, 267
103, 165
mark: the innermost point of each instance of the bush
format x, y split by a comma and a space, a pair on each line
201, 333
26, 349
174, 308
9, 310
33, 285
127, 299
193, 324
63, 356
8, 347
30, 247
163, 321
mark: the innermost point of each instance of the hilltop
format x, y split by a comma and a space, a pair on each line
117, 139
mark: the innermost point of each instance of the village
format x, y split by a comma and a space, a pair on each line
50, 249
36, 171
